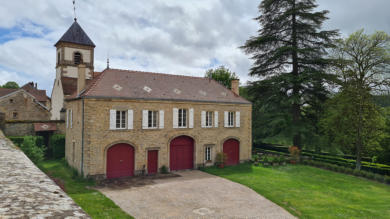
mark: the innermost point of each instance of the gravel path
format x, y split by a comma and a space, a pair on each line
26, 192
194, 194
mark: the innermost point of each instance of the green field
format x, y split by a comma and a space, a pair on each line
309, 192
91, 201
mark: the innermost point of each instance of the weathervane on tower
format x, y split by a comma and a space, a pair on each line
74, 10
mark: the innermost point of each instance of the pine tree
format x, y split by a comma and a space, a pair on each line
289, 58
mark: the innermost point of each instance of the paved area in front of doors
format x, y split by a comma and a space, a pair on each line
194, 194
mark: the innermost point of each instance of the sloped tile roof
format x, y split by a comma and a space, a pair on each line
40, 95
76, 34
5, 91
125, 84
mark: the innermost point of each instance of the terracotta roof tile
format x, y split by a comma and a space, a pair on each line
116, 83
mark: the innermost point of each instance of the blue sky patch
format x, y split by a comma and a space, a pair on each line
23, 29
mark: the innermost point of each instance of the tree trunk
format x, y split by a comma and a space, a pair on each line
296, 109
358, 156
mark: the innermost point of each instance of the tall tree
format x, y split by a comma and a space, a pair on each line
363, 69
221, 74
288, 56
10, 84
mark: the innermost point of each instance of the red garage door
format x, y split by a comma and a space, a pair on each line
231, 148
182, 153
120, 161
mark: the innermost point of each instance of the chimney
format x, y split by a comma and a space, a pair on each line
80, 78
235, 86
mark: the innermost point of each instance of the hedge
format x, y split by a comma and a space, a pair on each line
18, 140
340, 161
57, 143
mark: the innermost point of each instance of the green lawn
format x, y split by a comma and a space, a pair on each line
91, 201
309, 192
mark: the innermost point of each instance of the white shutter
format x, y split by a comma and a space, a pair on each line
238, 119
191, 120
161, 119
175, 117
226, 119
203, 119
67, 118
112, 119
71, 118
130, 115
144, 119
216, 119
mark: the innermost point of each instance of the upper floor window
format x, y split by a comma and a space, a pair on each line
152, 119
120, 120
14, 115
209, 119
58, 58
182, 118
11, 100
77, 58
231, 119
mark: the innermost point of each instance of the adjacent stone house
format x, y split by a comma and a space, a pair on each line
126, 123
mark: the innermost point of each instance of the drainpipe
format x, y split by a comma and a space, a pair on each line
82, 137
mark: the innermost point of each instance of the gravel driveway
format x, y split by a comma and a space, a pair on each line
194, 194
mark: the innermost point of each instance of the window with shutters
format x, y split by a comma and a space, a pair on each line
152, 119
209, 119
231, 119
182, 118
207, 153
77, 58
120, 122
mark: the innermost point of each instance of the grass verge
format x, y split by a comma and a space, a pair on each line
309, 192
91, 201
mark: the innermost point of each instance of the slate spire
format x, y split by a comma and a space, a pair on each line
75, 34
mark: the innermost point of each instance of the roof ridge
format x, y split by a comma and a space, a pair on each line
157, 73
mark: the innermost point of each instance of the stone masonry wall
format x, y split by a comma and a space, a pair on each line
98, 138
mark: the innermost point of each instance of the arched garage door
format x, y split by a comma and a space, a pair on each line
231, 148
120, 161
181, 154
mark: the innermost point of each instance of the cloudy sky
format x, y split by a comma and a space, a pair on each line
184, 37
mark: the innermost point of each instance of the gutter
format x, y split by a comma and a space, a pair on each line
82, 137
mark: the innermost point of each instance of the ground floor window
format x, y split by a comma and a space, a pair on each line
208, 153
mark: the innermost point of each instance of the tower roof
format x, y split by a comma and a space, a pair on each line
75, 34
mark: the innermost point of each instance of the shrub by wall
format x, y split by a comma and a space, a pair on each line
30, 148
57, 143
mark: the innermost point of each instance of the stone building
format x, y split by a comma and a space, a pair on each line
126, 123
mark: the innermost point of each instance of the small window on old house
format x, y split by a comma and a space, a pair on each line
152, 119
120, 119
207, 153
182, 118
73, 150
231, 119
58, 58
11, 100
77, 58
14, 115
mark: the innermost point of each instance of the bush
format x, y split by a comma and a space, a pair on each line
379, 177
164, 169
357, 172
29, 147
57, 143
387, 179
370, 175
17, 140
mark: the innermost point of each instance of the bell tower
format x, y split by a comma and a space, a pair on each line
73, 48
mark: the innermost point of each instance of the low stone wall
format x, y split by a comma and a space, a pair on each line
22, 128
26, 192
2, 121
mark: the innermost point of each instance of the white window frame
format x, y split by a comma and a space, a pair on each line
230, 119
207, 153
153, 119
122, 119
182, 117
209, 119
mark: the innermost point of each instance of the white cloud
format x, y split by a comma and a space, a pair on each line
180, 37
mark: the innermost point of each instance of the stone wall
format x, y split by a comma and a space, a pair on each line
22, 128
2, 121
98, 137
